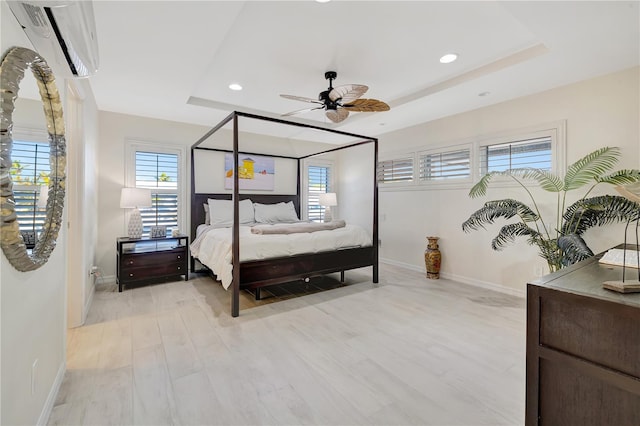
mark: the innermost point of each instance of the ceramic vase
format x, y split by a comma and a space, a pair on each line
432, 258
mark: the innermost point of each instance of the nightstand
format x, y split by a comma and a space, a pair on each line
147, 259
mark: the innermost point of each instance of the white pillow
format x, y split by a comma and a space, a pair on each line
276, 213
221, 212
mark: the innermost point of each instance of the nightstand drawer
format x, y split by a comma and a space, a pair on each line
148, 259
147, 272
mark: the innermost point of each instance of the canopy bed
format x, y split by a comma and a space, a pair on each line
275, 253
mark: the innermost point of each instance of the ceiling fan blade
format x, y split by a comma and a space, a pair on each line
337, 115
300, 111
348, 92
366, 105
303, 99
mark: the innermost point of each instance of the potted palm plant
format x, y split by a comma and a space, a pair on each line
560, 245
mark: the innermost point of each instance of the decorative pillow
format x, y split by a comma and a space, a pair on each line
276, 213
221, 212
207, 216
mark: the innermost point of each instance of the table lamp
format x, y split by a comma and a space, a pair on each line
133, 198
328, 200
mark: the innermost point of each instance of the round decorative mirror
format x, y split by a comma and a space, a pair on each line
14, 63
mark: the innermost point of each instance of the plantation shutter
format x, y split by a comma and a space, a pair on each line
396, 170
158, 172
30, 169
534, 153
445, 165
319, 181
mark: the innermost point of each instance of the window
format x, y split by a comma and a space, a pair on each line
160, 168
499, 157
445, 165
399, 170
30, 171
318, 182
158, 172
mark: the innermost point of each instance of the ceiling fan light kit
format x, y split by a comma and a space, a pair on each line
338, 101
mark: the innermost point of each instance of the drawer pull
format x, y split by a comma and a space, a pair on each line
179, 268
131, 262
130, 275
179, 257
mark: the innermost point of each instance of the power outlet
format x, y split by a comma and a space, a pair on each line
34, 372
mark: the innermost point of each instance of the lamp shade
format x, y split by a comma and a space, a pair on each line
328, 199
43, 196
135, 197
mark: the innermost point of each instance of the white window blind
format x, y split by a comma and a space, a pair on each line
396, 170
535, 153
445, 165
319, 182
30, 169
158, 172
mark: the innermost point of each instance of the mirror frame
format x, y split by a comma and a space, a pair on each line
14, 63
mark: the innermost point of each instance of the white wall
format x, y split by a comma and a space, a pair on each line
209, 174
356, 171
114, 130
32, 304
599, 112
82, 141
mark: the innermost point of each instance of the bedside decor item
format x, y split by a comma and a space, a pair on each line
133, 198
559, 241
158, 232
328, 200
433, 258
14, 63
630, 192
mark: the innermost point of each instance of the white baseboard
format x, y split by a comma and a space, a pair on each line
465, 280
402, 265
87, 306
108, 279
53, 393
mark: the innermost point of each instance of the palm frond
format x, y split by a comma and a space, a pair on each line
598, 211
480, 188
574, 249
493, 210
590, 167
621, 177
508, 234
547, 180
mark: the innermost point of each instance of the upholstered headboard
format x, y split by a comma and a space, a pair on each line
198, 200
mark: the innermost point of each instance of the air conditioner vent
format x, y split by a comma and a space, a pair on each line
62, 32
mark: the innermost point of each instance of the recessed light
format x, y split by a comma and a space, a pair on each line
235, 86
323, 1
484, 93
448, 58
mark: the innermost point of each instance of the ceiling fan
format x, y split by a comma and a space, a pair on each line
338, 101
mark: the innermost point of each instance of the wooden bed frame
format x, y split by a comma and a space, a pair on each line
256, 274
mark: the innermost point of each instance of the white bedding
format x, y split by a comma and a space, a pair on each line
213, 246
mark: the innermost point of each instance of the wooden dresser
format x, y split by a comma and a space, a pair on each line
148, 259
583, 348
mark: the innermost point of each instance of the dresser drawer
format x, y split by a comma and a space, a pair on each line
591, 331
136, 260
153, 271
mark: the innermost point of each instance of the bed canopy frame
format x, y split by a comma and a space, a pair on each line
260, 273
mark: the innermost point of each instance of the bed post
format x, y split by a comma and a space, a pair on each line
375, 211
235, 298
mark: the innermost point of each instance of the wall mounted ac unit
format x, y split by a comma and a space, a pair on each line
62, 32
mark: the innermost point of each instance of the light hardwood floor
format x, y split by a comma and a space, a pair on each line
406, 351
